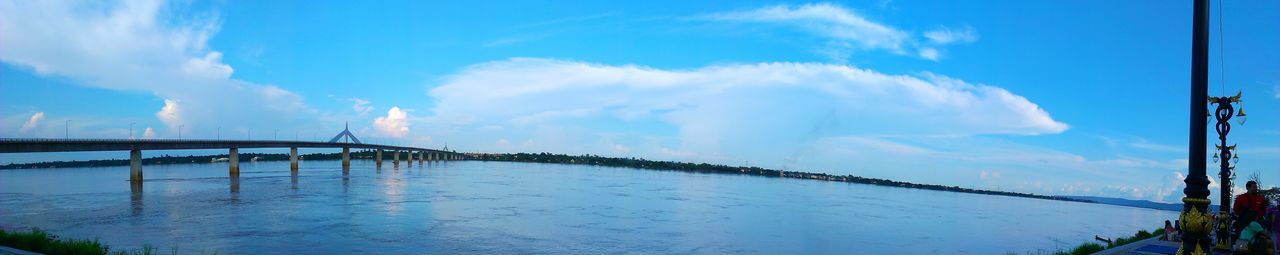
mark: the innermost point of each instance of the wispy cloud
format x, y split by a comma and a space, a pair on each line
540, 30
930, 53
1147, 145
944, 35
566, 20
359, 105
851, 30
824, 19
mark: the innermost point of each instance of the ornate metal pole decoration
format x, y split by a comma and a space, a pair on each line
1225, 156
1195, 217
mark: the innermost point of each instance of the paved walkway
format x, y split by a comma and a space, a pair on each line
1152, 246
5, 250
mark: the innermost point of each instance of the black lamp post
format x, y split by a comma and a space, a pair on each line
1225, 156
1195, 217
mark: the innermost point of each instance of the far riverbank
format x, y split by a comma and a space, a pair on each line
557, 159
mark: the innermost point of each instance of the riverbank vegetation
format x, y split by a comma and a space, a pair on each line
42, 242
738, 170
556, 159
1094, 247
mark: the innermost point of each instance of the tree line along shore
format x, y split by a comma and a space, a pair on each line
596, 160
555, 159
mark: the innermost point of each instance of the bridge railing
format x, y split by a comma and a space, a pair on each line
173, 141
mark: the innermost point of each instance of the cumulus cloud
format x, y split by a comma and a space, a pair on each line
722, 112
170, 114
32, 123
530, 90
141, 45
395, 124
148, 133
849, 30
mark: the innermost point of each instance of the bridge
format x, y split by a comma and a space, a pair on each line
136, 146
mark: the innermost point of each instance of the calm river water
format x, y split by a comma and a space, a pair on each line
501, 207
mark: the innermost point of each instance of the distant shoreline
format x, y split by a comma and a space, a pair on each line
740, 170
558, 159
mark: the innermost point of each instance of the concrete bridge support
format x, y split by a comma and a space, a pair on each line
346, 157
377, 158
233, 161
293, 160
395, 158
408, 162
135, 166
421, 156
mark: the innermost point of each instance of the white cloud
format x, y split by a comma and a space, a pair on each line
929, 53
827, 20
814, 117
849, 30
944, 36
148, 133
720, 112
618, 148
985, 175
146, 46
32, 122
395, 124
170, 114
1147, 145
360, 105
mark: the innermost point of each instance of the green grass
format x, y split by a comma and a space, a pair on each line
1092, 247
43, 242
39, 241
1141, 235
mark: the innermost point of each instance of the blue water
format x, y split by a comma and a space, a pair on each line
499, 207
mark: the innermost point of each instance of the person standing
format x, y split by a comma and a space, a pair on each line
1248, 207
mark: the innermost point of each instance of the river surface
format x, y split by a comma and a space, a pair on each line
524, 208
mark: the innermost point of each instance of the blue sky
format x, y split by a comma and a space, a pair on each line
1074, 98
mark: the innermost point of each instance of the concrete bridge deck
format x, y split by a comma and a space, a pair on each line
10, 145
136, 146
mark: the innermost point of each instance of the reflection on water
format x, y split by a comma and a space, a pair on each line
499, 207
135, 197
235, 187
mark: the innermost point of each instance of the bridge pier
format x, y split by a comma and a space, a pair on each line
135, 166
408, 162
233, 162
293, 160
422, 156
395, 158
346, 157
377, 158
